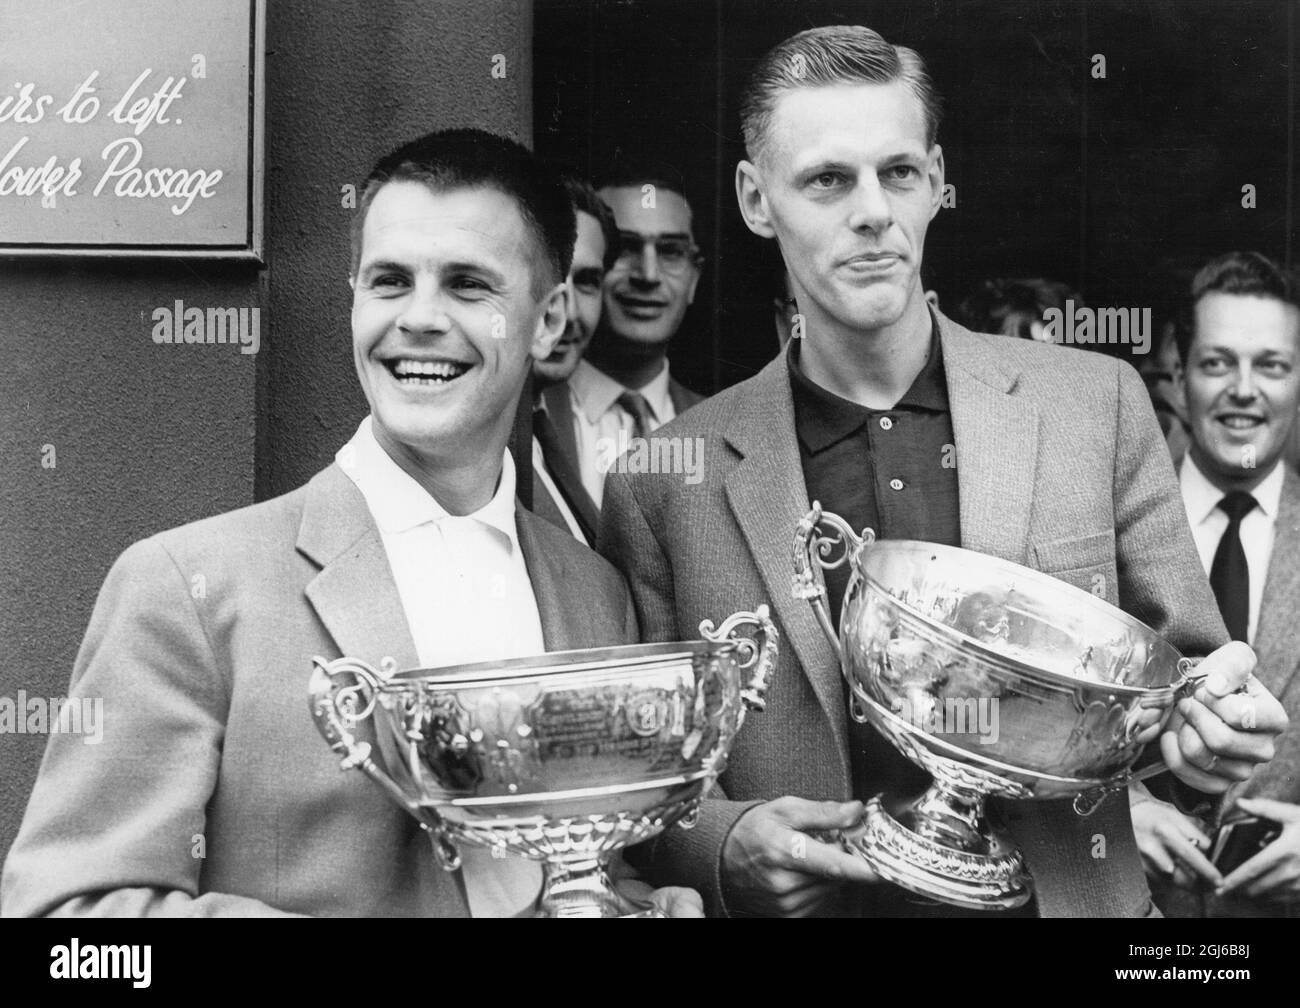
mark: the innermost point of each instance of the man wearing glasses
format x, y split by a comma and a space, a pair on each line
622, 389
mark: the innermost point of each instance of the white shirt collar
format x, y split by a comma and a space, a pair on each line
596, 392
1201, 496
398, 503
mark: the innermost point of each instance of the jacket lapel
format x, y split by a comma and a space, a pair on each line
561, 629
1275, 636
559, 463
356, 599
354, 594
681, 397
768, 496
997, 443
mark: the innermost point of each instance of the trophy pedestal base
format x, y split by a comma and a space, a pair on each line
584, 889
990, 877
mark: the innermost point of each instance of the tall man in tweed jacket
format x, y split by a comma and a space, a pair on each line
1058, 464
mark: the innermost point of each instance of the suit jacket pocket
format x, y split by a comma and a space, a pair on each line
1087, 562
1094, 550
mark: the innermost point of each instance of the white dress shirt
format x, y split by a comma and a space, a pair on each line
467, 597
599, 420
1201, 499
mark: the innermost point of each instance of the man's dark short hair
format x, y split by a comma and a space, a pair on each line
634, 176
472, 159
988, 306
1248, 274
584, 199
835, 54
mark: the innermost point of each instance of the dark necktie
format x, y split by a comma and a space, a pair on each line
1230, 579
1229, 576
637, 407
567, 480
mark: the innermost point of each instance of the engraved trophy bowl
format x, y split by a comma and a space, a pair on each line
995, 679
564, 757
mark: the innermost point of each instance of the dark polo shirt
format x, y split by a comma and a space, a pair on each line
894, 471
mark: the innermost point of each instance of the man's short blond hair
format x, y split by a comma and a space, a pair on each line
836, 54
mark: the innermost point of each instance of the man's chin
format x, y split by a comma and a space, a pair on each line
1238, 463
416, 431
878, 315
556, 368
647, 334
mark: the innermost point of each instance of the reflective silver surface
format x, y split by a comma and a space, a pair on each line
995, 679
563, 757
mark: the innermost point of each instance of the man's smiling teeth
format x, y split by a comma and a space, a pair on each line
1238, 422
414, 372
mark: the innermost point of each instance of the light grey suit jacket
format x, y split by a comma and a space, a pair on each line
1060, 466
201, 645
1277, 643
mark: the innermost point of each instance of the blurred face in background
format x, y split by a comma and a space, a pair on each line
1160, 371
582, 304
653, 281
1242, 385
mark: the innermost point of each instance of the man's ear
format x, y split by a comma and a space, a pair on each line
753, 204
1180, 390
935, 173
695, 282
551, 321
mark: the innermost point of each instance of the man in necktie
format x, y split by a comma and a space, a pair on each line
558, 493
1239, 373
623, 389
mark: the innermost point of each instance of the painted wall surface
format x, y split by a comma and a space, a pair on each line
344, 90
146, 437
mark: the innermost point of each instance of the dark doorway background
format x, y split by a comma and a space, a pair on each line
1115, 185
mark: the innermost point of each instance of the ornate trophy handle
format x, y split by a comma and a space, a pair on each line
1188, 677
340, 694
1087, 802
758, 655
812, 550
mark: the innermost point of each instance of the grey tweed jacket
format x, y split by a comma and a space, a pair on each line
1061, 467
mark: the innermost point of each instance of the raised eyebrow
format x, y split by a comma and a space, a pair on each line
656, 235
368, 270
903, 157
478, 269
822, 167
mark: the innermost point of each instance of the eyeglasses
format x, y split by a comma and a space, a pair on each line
674, 255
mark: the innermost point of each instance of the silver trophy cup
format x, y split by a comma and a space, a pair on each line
564, 757
995, 679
